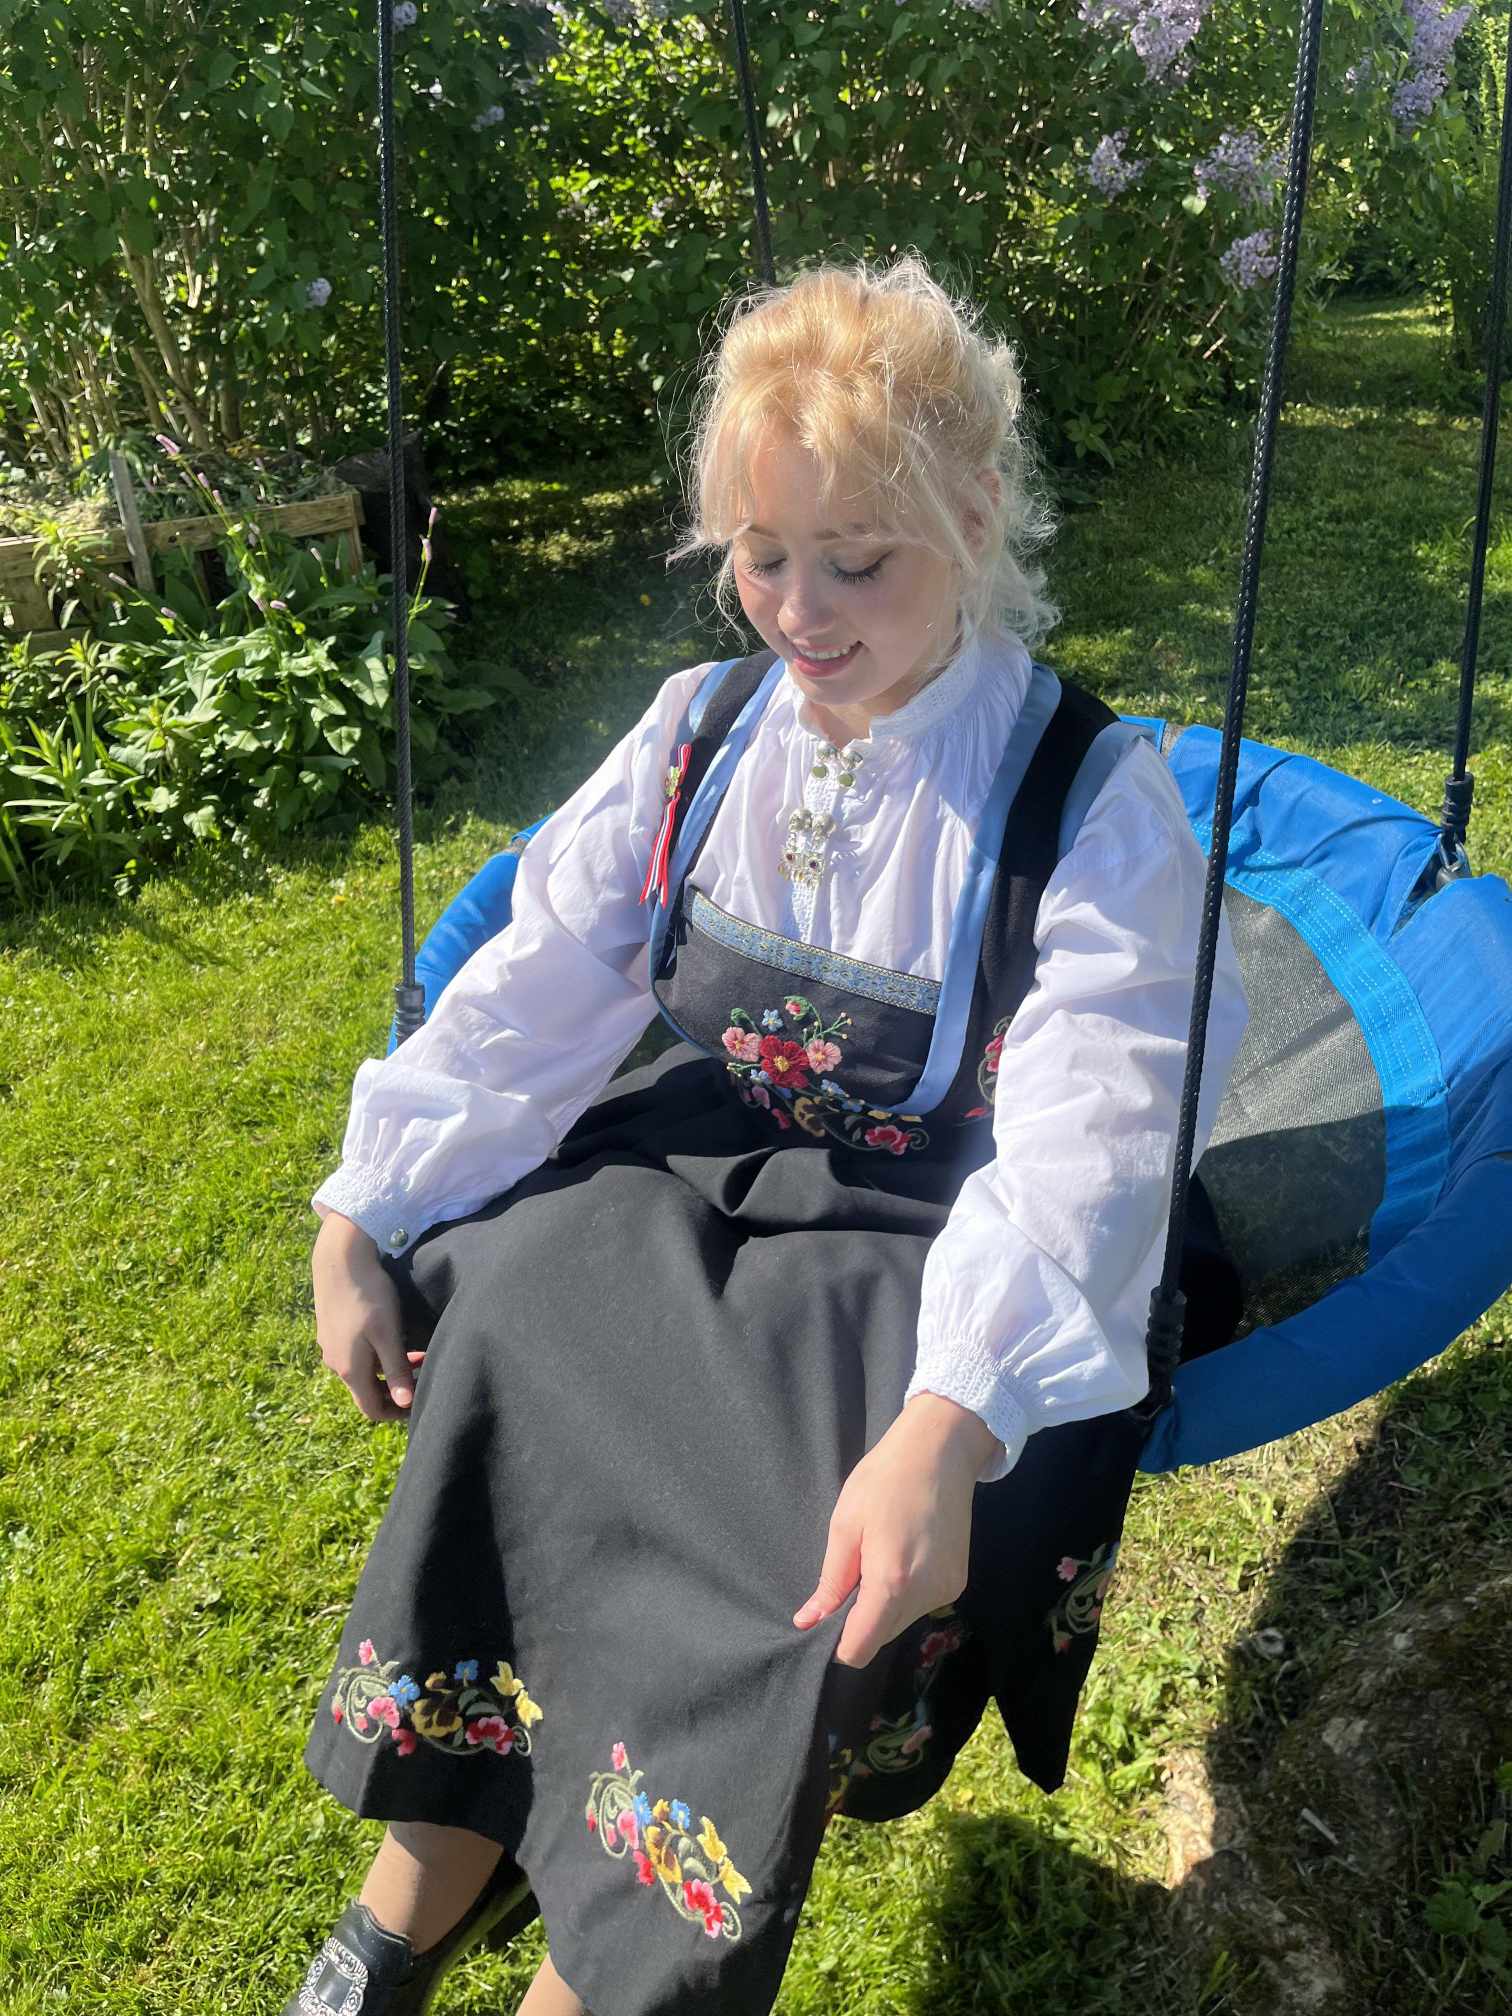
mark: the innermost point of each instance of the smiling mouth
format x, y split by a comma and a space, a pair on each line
818, 666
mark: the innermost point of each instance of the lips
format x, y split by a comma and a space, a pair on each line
816, 668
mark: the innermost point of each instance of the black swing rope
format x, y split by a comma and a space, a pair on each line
1167, 1302
1459, 785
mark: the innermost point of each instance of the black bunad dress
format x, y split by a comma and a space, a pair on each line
651, 1367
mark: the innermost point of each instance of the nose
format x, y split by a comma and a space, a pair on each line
805, 611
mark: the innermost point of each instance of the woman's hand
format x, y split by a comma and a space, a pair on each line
357, 1321
902, 1526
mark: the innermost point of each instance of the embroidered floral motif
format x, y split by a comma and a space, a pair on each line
686, 1865
459, 1714
777, 1071
898, 1744
987, 1071
1081, 1606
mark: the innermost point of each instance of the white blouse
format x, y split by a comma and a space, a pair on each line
1035, 1293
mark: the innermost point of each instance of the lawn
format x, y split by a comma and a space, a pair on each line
186, 1494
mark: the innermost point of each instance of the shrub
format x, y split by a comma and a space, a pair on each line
191, 720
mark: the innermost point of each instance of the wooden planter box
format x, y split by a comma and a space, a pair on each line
31, 613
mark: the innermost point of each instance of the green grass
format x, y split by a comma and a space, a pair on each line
187, 1494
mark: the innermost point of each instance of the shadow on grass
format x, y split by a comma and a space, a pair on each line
1422, 1511
1024, 1916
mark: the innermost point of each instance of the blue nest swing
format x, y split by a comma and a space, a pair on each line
1360, 1170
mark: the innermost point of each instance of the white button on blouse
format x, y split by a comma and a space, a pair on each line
1034, 1295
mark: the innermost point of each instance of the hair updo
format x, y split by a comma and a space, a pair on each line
885, 380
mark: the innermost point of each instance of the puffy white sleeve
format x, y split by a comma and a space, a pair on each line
535, 1023
1036, 1293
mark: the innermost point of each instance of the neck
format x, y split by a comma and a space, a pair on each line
853, 724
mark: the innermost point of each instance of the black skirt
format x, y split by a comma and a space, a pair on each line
651, 1366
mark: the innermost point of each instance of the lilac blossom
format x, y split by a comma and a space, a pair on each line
1236, 164
489, 116
406, 14
1157, 30
1358, 75
1435, 33
1248, 260
318, 293
1107, 170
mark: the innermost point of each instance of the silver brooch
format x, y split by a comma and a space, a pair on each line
803, 856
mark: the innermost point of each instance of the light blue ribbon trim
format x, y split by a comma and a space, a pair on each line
813, 962
961, 960
706, 798
1097, 767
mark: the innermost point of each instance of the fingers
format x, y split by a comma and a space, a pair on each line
868, 1628
361, 1335
839, 1574
389, 1350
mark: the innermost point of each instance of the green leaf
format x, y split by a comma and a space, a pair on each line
1194, 205
464, 699
1452, 1911
139, 231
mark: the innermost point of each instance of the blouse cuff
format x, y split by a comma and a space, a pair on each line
376, 1203
960, 1370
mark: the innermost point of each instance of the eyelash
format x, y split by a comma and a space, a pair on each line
866, 573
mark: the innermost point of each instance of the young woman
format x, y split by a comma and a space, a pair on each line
772, 1410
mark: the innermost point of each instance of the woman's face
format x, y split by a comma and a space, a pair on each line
803, 589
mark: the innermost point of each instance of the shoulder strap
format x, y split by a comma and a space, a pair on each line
714, 709
1049, 807
1098, 764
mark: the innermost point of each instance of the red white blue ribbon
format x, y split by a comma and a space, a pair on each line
661, 853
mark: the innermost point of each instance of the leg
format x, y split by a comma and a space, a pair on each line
424, 1878
549, 1995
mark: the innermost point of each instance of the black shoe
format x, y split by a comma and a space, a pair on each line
364, 1970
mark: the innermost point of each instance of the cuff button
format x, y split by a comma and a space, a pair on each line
398, 1236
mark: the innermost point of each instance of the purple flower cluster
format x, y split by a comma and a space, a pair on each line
1248, 260
1108, 170
1236, 163
1158, 30
1435, 33
1358, 75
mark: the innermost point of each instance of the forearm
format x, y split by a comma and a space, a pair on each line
342, 1235
951, 1430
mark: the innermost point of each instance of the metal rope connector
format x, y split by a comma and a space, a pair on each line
1454, 816
409, 1008
1163, 1335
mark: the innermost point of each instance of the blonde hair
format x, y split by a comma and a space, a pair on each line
883, 377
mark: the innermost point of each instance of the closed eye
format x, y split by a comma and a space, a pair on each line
866, 573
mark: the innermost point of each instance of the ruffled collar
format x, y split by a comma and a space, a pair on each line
944, 697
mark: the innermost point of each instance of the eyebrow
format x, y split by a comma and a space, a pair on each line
828, 533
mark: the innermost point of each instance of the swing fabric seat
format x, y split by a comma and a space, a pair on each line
1360, 1168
